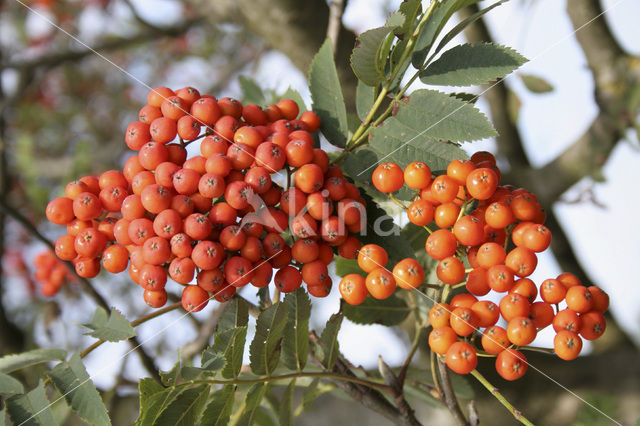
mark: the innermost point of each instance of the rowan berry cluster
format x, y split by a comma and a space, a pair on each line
498, 230
51, 273
219, 217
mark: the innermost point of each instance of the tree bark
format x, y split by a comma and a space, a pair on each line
297, 29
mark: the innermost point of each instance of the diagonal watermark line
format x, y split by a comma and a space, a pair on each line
542, 53
153, 336
477, 329
76, 39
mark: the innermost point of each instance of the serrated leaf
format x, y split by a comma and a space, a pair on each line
157, 402
169, 378
211, 362
74, 383
264, 351
329, 341
410, 10
251, 92
390, 311
536, 84
235, 315
294, 95
254, 397
13, 362
464, 24
285, 413
365, 96
32, 408
326, 93
366, 59
420, 131
146, 388
9, 385
218, 411
433, 114
185, 408
469, 64
348, 266
295, 344
439, 16
112, 327
231, 343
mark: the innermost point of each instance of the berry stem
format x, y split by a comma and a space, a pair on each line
134, 323
397, 202
537, 349
408, 50
495, 392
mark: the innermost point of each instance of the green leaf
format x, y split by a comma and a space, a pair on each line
251, 92
146, 388
13, 362
440, 15
264, 351
295, 345
410, 9
235, 315
185, 408
536, 84
156, 402
329, 341
469, 64
464, 24
326, 93
112, 328
388, 312
365, 96
169, 378
309, 395
348, 266
254, 397
73, 382
285, 413
231, 343
9, 385
366, 59
218, 411
30, 409
419, 132
3, 417
211, 363
295, 96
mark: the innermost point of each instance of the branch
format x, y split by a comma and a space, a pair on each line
336, 7
86, 285
449, 397
294, 28
369, 398
57, 58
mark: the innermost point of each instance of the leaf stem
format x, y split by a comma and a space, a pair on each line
134, 323
320, 374
495, 392
537, 349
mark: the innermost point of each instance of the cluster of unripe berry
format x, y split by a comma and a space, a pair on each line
499, 230
219, 217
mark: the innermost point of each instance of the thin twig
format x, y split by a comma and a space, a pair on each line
449, 396
336, 7
495, 392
